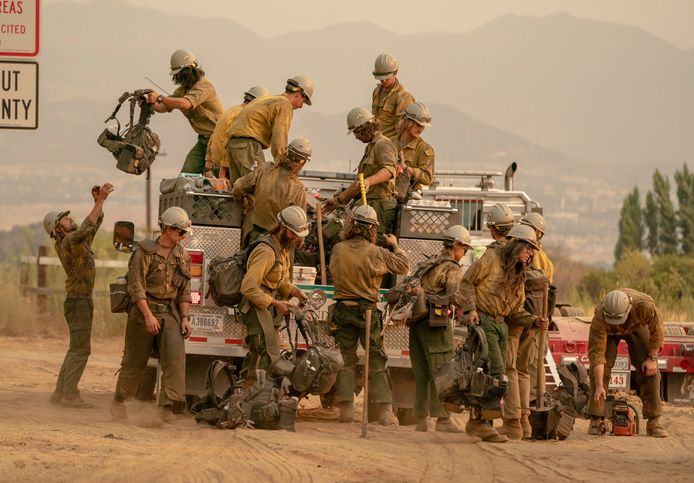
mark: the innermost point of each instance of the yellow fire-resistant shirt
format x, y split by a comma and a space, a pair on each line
389, 105
273, 188
206, 106
482, 289
358, 266
216, 147
643, 312
542, 261
378, 154
444, 278
266, 275
419, 155
267, 120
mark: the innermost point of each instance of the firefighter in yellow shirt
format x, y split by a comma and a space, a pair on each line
417, 154
217, 147
265, 124
390, 98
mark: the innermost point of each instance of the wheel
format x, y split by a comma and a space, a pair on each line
568, 311
328, 400
675, 330
405, 416
148, 380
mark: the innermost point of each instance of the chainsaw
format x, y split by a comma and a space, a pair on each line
623, 416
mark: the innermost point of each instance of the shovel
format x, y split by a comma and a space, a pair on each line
540, 415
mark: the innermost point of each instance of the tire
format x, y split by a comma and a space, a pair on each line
568, 311
405, 416
148, 381
675, 330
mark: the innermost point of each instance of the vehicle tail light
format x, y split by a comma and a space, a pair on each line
196, 260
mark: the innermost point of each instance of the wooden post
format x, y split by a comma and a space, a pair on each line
541, 351
42, 280
367, 348
321, 248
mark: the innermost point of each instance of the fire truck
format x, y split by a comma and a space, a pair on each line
456, 197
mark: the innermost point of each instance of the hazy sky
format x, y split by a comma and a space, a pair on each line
672, 20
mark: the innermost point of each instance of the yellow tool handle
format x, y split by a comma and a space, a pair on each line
362, 188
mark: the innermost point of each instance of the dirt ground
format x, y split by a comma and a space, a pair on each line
41, 442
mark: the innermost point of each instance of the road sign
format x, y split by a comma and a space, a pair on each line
19, 94
19, 28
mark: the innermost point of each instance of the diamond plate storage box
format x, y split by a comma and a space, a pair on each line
426, 219
203, 208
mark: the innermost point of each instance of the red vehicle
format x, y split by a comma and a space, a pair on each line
568, 342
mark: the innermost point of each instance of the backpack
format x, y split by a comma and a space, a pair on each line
535, 281
225, 275
574, 390
398, 297
137, 146
464, 381
315, 369
210, 406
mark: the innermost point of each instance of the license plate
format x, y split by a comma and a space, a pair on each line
207, 322
619, 380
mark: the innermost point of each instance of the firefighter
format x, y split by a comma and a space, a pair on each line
390, 98
216, 149
378, 167
632, 316
431, 340
417, 154
492, 293
266, 290
527, 350
357, 266
500, 219
73, 245
271, 188
159, 287
265, 124
197, 100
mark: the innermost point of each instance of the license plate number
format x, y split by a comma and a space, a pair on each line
621, 364
618, 380
207, 322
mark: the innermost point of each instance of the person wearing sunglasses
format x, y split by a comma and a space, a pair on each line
159, 287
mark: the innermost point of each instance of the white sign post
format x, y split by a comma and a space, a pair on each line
19, 28
19, 95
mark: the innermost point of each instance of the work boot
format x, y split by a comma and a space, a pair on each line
56, 397
117, 410
597, 426
481, 429
422, 424
512, 429
346, 412
386, 416
446, 425
527, 429
76, 402
653, 428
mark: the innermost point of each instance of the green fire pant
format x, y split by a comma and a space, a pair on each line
195, 160
262, 342
351, 328
430, 347
497, 337
649, 387
79, 313
138, 347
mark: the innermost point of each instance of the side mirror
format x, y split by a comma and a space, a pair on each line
124, 236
